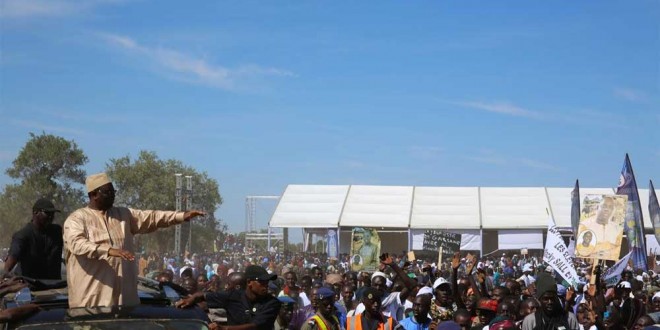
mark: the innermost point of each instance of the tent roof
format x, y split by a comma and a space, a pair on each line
323, 206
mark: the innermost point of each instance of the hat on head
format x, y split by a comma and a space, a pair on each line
527, 268
425, 290
656, 296
440, 281
324, 293
44, 204
333, 279
258, 273
548, 269
372, 294
379, 274
545, 283
487, 304
286, 300
624, 285
94, 181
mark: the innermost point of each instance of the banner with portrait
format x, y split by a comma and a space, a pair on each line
333, 244
365, 249
601, 227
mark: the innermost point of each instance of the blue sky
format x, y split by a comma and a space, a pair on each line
261, 94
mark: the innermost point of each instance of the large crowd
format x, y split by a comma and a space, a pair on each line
507, 292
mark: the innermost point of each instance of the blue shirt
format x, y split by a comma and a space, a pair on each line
410, 323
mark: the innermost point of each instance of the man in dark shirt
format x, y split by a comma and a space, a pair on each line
249, 309
37, 247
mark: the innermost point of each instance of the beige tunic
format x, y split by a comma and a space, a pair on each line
93, 277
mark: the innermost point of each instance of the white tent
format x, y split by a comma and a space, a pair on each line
516, 215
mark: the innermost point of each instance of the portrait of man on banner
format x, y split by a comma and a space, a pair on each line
601, 227
365, 249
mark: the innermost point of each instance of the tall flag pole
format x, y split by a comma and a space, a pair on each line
575, 208
654, 211
634, 224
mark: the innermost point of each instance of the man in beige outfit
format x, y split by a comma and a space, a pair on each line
98, 246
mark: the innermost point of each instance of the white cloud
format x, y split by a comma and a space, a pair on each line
185, 67
630, 94
503, 108
487, 157
46, 8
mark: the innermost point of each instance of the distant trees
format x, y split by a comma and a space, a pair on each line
47, 166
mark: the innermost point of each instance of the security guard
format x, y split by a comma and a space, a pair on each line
325, 318
372, 318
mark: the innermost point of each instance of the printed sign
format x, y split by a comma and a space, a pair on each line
365, 249
601, 227
436, 239
557, 256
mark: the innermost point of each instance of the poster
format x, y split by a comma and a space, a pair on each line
365, 250
449, 242
601, 227
333, 244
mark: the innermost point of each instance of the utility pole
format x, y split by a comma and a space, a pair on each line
177, 228
189, 194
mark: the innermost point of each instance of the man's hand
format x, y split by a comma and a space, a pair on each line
591, 290
18, 313
471, 262
481, 276
126, 255
570, 293
386, 259
456, 261
191, 214
191, 300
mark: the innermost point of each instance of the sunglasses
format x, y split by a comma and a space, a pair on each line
107, 192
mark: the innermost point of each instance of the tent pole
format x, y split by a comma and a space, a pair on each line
481, 247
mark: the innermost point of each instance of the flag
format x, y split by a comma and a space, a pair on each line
612, 275
557, 256
654, 211
634, 224
575, 208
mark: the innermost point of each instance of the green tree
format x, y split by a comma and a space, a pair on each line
149, 183
47, 166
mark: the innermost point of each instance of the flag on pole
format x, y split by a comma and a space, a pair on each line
612, 275
634, 224
654, 211
575, 208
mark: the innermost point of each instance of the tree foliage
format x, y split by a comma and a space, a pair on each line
149, 183
47, 166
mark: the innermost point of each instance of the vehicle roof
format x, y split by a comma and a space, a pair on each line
116, 313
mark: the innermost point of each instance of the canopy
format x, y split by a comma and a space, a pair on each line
448, 208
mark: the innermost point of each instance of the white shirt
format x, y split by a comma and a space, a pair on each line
305, 300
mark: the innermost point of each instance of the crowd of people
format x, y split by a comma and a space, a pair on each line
466, 292
307, 291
